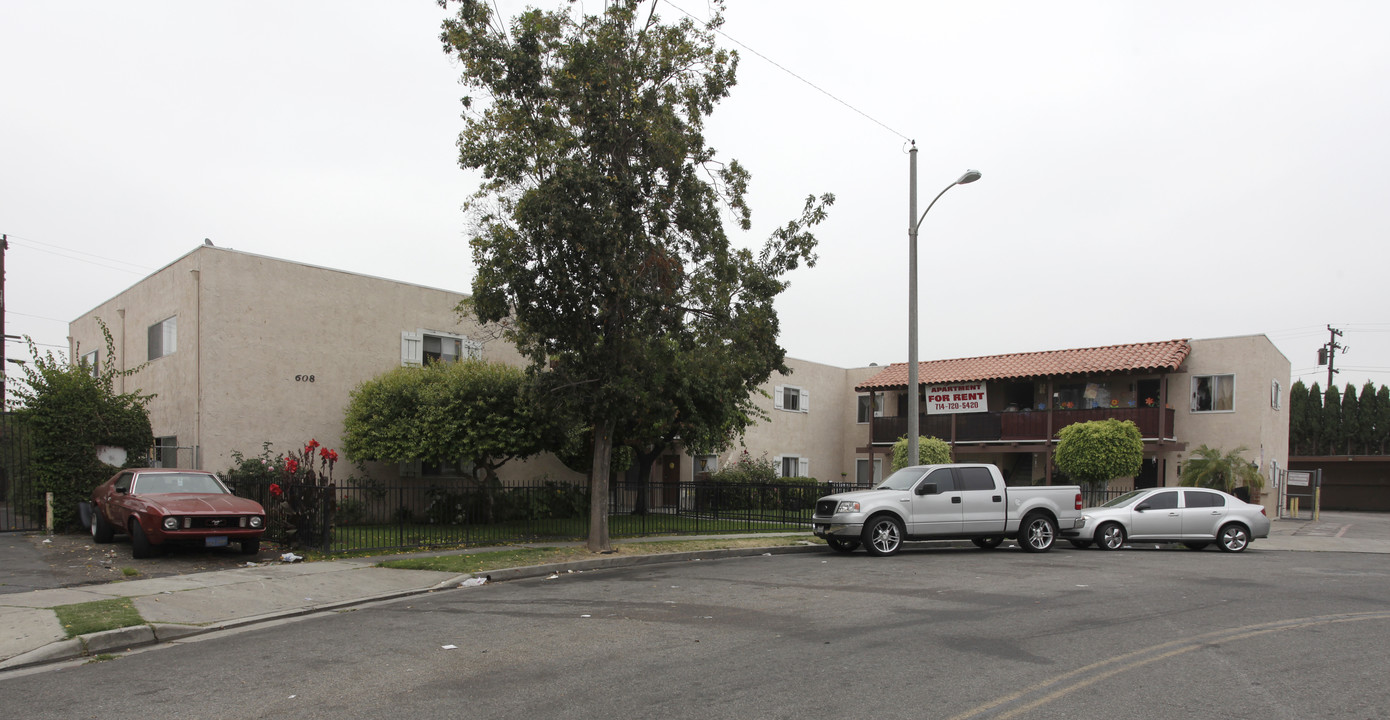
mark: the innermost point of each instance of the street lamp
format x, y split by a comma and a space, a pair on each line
914, 222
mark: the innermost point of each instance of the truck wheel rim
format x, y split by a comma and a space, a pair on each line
1040, 534
886, 537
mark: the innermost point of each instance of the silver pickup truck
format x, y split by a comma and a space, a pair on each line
947, 502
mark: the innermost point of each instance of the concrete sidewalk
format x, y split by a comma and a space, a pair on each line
181, 606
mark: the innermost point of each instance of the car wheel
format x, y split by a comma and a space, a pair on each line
250, 547
987, 543
1110, 536
1233, 538
841, 545
1038, 534
883, 535
1196, 545
102, 532
140, 546
1080, 544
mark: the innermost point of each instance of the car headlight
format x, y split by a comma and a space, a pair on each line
256, 522
847, 506
171, 523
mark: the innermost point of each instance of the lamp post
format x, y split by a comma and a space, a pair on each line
914, 222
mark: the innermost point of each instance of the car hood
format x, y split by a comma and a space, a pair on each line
865, 496
203, 504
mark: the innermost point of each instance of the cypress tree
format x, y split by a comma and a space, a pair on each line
1367, 409
1381, 437
1298, 423
1332, 421
1351, 421
1312, 420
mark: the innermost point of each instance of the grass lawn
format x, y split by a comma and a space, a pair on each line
91, 617
347, 538
475, 562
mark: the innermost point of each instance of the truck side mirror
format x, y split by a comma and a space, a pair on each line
926, 489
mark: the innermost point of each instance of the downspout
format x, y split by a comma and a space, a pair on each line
198, 369
121, 312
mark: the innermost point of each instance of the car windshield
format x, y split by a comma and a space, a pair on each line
1125, 499
902, 480
178, 483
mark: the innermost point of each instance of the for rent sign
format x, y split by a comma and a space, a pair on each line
956, 398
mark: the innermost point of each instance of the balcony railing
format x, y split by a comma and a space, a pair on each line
1019, 426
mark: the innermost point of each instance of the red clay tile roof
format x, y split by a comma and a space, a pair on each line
1139, 357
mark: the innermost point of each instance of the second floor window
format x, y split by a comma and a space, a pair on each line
1213, 393
791, 398
164, 337
90, 361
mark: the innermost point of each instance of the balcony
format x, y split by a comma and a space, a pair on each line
1019, 426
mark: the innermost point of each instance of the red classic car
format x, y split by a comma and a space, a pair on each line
156, 506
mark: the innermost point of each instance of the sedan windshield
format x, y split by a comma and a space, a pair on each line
902, 480
1125, 499
155, 483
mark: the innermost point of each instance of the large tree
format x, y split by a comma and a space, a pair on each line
1312, 413
599, 226
1367, 408
1381, 437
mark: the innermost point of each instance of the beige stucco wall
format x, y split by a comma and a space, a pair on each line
252, 330
1254, 422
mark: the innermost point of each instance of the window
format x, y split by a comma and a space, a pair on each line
1199, 499
794, 466
974, 478
791, 399
1276, 395
941, 478
164, 337
864, 407
90, 360
861, 471
706, 464
1161, 501
166, 452
1213, 393
425, 347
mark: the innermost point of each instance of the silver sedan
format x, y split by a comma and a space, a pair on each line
1195, 517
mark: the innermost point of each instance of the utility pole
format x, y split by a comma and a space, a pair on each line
1327, 354
4, 374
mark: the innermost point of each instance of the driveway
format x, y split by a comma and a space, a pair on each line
34, 561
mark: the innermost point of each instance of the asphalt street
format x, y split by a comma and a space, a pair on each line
936, 633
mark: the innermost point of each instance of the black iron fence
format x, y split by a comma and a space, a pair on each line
21, 504
376, 517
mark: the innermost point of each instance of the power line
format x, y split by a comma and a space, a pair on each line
103, 261
779, 66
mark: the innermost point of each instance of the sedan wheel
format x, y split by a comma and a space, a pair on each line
1110, 536
841, 545
1234, 538
1038, 534
883, 536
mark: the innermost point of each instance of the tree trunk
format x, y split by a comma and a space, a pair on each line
598, 486
644, 478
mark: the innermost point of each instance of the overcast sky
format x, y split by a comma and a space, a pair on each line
1151, 170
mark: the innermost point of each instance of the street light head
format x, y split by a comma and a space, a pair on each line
970, 176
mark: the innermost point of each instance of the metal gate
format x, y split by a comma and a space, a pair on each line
21, 504
1298, 493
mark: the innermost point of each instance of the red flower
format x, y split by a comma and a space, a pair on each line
329, 455
275, 490
313, 444
292, 466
